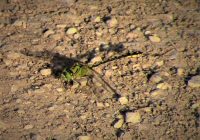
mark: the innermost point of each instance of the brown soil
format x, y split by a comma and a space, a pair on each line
155, 82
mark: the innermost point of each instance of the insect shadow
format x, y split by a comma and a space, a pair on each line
60, 62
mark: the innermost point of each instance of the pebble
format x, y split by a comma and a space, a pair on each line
108, 73
96, 59
147, 33
123, 100
195, 106
52, 108
133, 117
75, 85
100, 104
154, 38
160, 63
158, 93
71, 31
76, 36
135, 34
180, 71
155, 78
61, 26
46, 72
164, 86
13, 55
20, 23
60, 89
119, 123
57, 37
112, 22
29, 126
48, 33
85, 138
18, 101
7, 62
194, 82
97, 19
147, 109
21, 112
2, 125
83, 81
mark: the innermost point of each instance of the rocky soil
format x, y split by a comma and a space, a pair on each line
158, 88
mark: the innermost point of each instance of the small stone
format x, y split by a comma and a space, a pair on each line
85, 138
114, 67
75, 85
7, 62
160, 63
135, 34
83, 81
61, 26
123, 100
100, 104
76, 36
52, 108
164, 86
132, 27
71, 31
158, 93
180, 71
18, 101
97, 19
21, 112
13, 55
29, 126
96, 59
195, 106
2, 125
154, 38
133, 117
112, 22
57, 37
83, 117
107, 104
156, 78
60, 89
147, 33
46, 72
119, 123
108, 73
48, 33
194, 82
147, 109
99, 33
20, 23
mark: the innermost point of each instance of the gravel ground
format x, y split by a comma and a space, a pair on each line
158, 86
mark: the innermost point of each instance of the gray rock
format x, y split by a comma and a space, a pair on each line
194, 82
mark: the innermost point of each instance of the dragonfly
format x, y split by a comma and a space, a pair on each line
71, 68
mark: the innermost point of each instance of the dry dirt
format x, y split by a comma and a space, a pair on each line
158, 89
